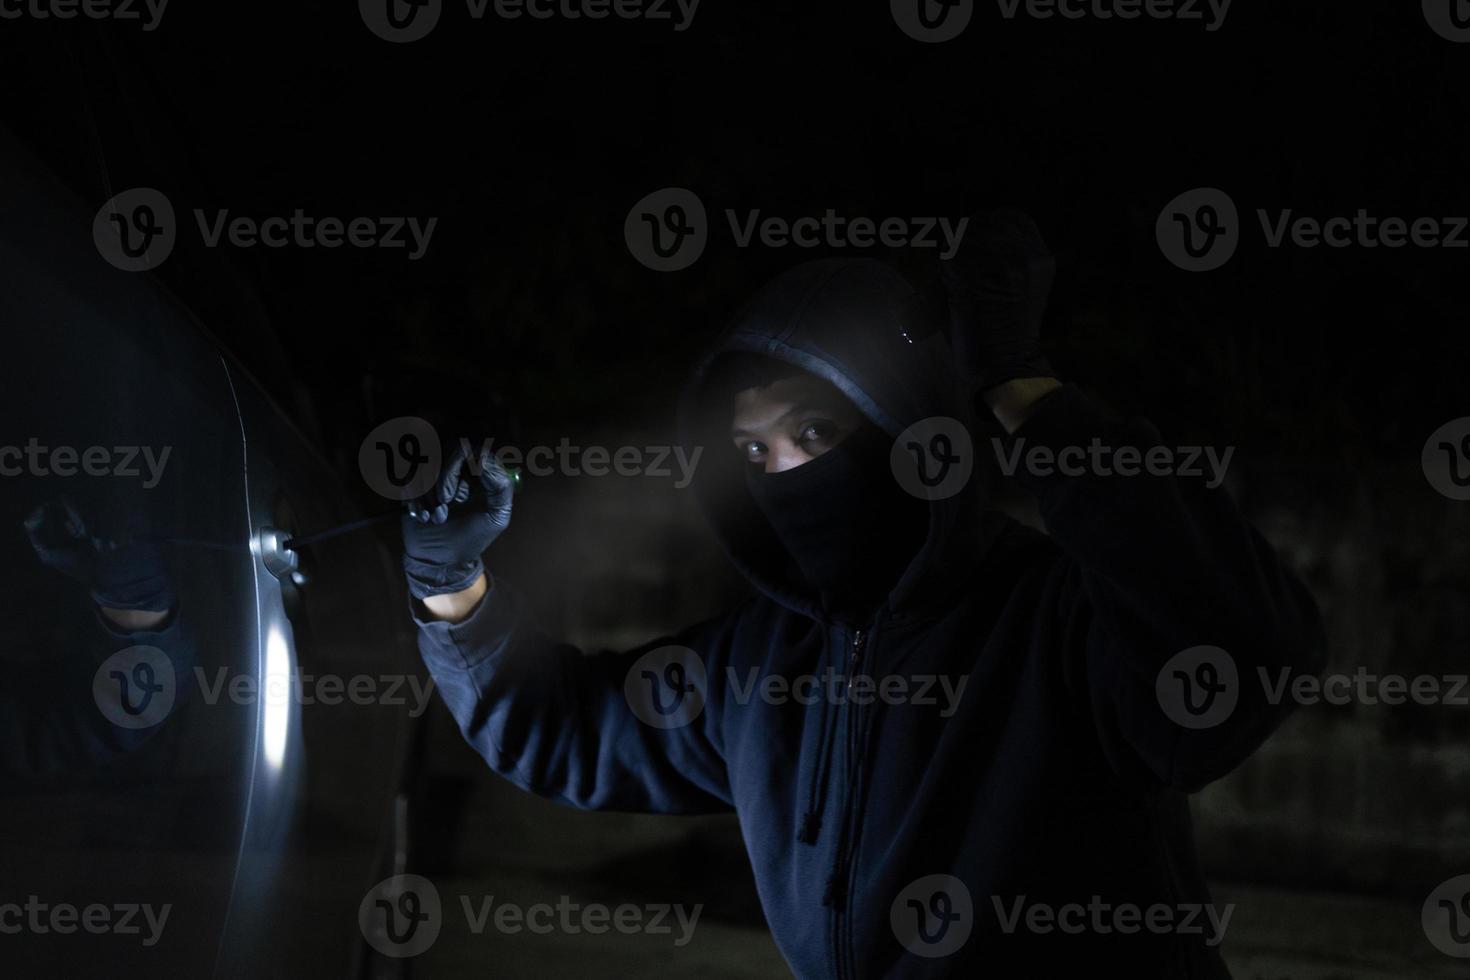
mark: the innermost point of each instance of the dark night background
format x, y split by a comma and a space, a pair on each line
530, 141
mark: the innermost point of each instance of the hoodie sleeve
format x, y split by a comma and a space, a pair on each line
1155, 565
557, 722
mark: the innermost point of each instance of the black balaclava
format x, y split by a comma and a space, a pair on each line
844, 520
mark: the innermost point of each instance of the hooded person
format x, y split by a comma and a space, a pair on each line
956, 746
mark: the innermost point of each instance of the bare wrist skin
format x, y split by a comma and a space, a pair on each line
134, 620
455, 607
1013, 401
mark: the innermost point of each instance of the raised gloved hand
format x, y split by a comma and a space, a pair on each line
446, 531
997, 285
128, 575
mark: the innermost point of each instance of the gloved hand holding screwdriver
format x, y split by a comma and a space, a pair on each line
446, 531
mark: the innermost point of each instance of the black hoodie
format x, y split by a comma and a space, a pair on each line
985, 778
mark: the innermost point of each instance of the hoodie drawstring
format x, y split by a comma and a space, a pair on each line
816, 800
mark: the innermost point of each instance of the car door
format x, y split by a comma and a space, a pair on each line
119, 833
171, 803
345, 690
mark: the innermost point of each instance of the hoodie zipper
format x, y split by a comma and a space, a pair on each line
837, 885
857, 654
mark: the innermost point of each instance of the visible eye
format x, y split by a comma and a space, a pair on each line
753, 451
817, 432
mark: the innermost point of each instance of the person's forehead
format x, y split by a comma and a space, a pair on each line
765, 405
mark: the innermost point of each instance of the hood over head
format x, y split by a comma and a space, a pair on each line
857, 324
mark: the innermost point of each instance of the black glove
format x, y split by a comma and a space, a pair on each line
442, 548
130, 575
997, 285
